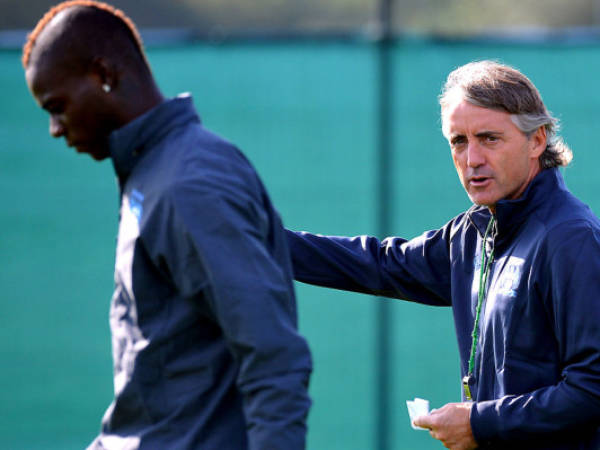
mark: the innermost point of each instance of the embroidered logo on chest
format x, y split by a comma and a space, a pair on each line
136, 201
509, 278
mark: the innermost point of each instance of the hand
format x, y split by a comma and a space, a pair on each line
451, 425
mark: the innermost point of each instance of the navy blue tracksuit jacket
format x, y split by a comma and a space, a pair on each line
537, 367
206, 351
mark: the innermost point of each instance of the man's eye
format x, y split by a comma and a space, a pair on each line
54, 108
459, 140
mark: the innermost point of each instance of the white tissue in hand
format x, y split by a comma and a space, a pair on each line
417, 407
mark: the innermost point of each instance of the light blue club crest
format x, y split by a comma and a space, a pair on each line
136, 204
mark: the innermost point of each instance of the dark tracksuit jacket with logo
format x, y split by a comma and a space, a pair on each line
537, 369
203, 318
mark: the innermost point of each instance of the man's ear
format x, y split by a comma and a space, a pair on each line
105, 72
538, 142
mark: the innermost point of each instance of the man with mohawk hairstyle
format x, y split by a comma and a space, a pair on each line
203, 318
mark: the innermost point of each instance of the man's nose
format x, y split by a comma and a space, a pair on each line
475, 156
57, 129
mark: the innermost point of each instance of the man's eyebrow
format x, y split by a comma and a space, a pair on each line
48, 102
486, 133
456, 135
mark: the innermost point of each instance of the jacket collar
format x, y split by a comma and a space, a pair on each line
510, 214
129, 143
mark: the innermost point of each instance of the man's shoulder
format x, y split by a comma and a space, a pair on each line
564, 224
565, 214
195, 141
194, 160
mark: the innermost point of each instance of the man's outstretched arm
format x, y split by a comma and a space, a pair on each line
416, 269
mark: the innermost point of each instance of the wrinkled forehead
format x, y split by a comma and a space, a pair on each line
467, 117
448, 103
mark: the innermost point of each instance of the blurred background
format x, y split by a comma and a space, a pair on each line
335, 103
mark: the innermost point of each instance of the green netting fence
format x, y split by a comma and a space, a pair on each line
305, 113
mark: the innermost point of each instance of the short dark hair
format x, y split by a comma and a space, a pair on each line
492, 85
88, 18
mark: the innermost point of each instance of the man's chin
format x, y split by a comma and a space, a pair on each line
99, 157
95, 153
482, 201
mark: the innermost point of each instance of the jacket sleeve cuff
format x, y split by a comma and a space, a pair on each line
484, 423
